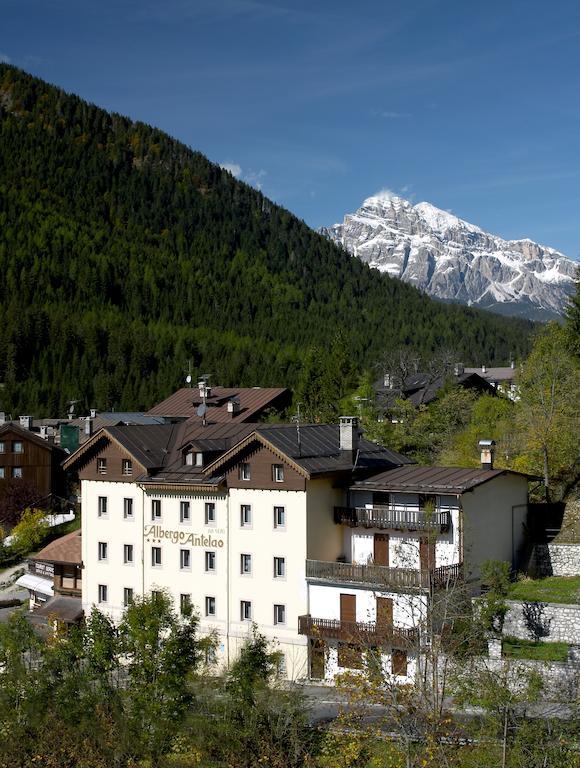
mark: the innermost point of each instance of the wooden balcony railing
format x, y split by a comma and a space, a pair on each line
398, 517
382, 576
365, 633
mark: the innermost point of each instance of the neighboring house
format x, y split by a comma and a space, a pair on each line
423, 388
54, 579
501, 379
35, 460
224, 517
223, 404
406, 534
305, 530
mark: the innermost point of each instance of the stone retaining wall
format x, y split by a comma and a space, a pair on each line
564, 622
555, 560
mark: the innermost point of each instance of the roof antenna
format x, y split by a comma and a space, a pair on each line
296, 418
202, 409
188, 378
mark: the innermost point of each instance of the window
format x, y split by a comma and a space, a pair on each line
279, 517
103, 550
184, 604
102, 506
127, 596
155, 595
279, 567
210, 561
127, 467
188, 459
17, 472
245, 515
245, 473
350, 656
399, 662
246, 564
210, 606
103, 593
427, 501
101, 466
278, 473
156, 557
199, 459
155, 509
2, 448
209, 512
17, 447
2, 473
128, 553
128, 509
210, 655
184, 511
279, 614
245, 610
184, 559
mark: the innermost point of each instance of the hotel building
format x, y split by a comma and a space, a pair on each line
314, 534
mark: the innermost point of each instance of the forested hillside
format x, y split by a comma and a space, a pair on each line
123, 254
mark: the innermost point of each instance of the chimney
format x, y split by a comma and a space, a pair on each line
459, 369
26, 422
93, 413
487, 448
88, 426
349, 434
44, 431
233, 406
484, 368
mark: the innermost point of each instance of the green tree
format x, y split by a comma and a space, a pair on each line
29, 532
548, 412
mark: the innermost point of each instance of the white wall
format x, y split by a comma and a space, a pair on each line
408, 610
490, 530
331, 667
324, 535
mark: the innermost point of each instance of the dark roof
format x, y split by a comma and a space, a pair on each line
149, 444
66, 549
319, 450
430, 479
422, 389
253, 402
211, 440
67, 609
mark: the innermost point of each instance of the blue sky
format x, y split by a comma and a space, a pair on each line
473, 106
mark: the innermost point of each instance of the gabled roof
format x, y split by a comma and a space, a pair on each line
318, 452
421, 479
26, 434
253, 401
506, 373
422, 389
147, 444
66, 549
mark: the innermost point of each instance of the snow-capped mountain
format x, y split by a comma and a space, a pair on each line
450, 259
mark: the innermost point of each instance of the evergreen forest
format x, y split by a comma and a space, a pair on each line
124, 254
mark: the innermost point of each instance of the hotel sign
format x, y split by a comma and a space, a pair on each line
157, 533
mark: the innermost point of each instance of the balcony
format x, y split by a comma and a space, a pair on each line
399, 517
363, 633
384, 577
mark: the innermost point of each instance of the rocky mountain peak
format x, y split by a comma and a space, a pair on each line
451, 259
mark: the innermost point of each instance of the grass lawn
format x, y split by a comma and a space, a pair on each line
514, 648
552, 589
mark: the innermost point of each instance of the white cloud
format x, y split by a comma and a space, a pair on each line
232, 168
393, 115
4, 59
255, 178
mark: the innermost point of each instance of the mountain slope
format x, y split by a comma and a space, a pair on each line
124, 254
456, 261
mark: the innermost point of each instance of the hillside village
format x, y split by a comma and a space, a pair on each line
354, 544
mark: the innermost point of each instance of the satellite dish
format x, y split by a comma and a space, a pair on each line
188, 378
202, 410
